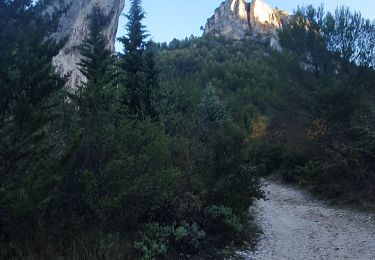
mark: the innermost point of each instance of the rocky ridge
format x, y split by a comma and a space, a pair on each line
237, 19
73, 26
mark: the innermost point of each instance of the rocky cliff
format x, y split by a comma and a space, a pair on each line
236, 19
73, 26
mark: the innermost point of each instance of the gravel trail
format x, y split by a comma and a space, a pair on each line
296, 226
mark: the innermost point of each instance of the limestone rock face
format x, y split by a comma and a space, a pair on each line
230, 20
263, 14
236, 19
73, 26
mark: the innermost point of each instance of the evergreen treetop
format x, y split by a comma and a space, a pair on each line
137, 33
98, 94
140, 75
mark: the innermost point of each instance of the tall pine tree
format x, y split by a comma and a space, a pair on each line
96, 106
140, 78
28, 89
96, 97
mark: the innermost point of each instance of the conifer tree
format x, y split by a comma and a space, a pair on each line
132, 65
138, 65
96, 103
97, 96
151, 73
28, 169
212, 113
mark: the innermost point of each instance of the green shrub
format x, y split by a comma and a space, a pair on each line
189, 238
153, 241
156, 241
292, 160
223, 224
267, 157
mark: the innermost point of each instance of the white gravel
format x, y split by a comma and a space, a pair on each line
297, 226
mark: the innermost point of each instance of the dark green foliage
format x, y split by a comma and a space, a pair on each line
314, 97
211, 114
126, 165
117, 176
29, 91
140, 75
134, 41
151, 93
146, 183
155, 241
189, 238
239, 71
99, 94
228, 179
211, 155
92, 132
104, 171
132, 61
333, 119
224, 224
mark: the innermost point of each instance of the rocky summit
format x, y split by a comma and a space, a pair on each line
236, 19
73, 26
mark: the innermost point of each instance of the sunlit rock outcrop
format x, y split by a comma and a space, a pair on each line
236, 19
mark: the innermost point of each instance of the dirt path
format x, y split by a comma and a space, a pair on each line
297, 227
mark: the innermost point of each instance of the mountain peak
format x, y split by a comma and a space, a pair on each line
235, 19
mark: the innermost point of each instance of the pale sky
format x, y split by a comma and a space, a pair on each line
168, 19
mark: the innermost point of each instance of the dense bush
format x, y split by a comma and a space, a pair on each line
334, 153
